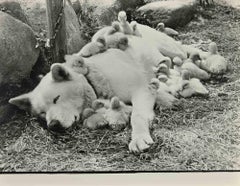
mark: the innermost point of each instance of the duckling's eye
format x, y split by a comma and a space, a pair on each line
56, 99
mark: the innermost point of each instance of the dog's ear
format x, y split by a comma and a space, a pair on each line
23, 101
115, 103
60, 73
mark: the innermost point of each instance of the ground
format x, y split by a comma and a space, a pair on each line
202, 135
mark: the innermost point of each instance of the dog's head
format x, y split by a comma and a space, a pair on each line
60, 97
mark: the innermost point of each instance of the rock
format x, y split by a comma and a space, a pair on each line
14, 9
175, 13
74, 40
106, 11
36, 11
17, 49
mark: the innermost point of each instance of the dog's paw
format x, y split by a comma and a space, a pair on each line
140, 143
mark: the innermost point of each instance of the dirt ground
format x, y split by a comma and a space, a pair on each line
202, 135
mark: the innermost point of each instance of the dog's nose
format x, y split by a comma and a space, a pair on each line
55, 126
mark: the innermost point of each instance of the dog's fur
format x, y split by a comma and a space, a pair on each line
65, 92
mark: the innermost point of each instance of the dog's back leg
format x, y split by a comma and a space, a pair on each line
142, 115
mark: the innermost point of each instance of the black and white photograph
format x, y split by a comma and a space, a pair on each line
119, 86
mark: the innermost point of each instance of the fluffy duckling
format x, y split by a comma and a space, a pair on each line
93, 119
135, 29
214, 63
193, 69
108, 30
169, 31
161, 69
176, 81
126, 28
76, 62
117, 40
118, 114
193, 87
164, 99
94, 47
177, 64
115, 28
189, 49
177, 61
162, 78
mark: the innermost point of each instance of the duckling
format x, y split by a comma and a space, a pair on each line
177, 64
161, 69
175, 82
76, 62
126, 28
193, 87
118, 114
117, 40
164, 98
115, 28
94, 47
160, 83
214, 63
107, 30
177, 61
169, 31
167, 61
135, 29
93, 119
154, 83
194, 70
162, 78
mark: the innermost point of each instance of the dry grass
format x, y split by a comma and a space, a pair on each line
201, 135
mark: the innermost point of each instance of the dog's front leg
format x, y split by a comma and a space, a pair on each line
142, 116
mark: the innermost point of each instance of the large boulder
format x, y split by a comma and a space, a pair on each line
74, 37
105, 12
17, 49
174, 13
14, 9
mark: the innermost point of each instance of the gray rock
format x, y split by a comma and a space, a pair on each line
14, 9
74, 40
17, 49
106, 11
174, 13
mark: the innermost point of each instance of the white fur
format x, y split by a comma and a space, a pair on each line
165, 44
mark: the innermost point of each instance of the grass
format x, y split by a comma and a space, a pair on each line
201, 135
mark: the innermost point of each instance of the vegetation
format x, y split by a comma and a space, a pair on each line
203, 134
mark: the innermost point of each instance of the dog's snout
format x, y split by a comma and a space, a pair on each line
55, 126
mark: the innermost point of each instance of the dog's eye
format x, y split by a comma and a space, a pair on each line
56, 99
